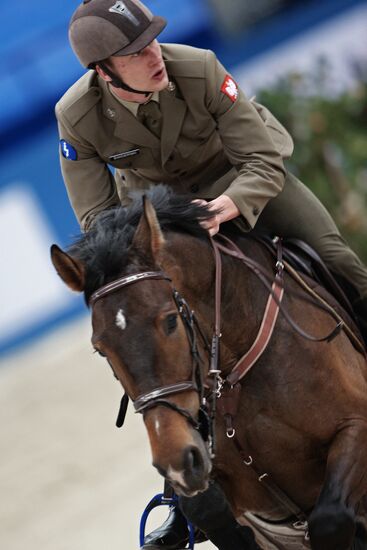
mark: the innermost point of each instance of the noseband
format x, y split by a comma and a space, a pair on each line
157, 397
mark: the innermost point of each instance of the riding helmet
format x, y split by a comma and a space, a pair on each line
102, 28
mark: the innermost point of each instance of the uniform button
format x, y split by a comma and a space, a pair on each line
194, 188
255, 211
171, 86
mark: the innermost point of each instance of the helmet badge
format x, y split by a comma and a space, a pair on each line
121, 9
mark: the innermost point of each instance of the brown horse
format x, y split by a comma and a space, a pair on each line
302, 409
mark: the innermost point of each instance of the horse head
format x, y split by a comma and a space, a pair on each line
145, 329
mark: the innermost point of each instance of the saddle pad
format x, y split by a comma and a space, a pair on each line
277, 536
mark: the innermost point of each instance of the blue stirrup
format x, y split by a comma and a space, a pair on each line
161, 500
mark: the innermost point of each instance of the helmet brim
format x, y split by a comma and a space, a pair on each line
156, 26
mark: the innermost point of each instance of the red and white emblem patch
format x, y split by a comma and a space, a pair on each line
230, 88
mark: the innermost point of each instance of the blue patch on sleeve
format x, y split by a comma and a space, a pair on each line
68, 150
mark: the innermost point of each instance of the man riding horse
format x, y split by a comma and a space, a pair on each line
172, 113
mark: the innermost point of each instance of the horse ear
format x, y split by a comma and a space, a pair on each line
148, 235
69, 269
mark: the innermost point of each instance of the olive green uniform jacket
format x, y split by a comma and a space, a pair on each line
211, 142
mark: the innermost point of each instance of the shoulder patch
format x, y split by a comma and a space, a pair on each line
68, 150
230, 88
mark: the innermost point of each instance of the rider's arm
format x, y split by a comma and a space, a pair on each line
90, 184
248, 144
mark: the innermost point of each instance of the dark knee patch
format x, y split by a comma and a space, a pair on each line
208, 509
360, 539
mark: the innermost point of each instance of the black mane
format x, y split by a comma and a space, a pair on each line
103, 249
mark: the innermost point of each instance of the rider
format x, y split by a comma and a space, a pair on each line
172, 113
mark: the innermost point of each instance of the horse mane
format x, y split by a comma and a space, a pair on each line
103, 248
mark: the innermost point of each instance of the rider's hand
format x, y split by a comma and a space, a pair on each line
226, 208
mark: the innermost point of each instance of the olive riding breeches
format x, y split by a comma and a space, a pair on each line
296, 212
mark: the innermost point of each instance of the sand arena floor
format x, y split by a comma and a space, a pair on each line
69, 479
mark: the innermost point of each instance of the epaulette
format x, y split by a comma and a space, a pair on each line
184, 61
80, 98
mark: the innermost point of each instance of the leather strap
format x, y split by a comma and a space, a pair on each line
144, 401
124, 281
262, 339
214, 354
270, 315
232, 250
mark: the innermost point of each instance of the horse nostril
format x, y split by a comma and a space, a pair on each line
193, 461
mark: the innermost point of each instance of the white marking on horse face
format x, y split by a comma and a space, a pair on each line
121, 320
157, 427
177, 476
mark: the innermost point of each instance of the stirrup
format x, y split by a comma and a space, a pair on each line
161, 500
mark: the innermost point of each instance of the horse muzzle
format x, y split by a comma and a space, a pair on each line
194, 477
179, 452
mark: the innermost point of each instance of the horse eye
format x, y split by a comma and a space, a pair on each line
171, 323
99, 353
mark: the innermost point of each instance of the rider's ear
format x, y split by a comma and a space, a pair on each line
148, 236
69, 269
102, 74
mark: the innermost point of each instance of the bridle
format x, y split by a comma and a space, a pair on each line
158, 397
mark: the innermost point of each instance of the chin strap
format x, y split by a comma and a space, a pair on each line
118, 83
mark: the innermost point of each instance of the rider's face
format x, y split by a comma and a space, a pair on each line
142, 71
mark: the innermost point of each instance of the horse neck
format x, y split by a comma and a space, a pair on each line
242, 301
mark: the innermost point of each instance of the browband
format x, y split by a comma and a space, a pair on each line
124, 281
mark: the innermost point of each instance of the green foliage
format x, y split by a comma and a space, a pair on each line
329, 131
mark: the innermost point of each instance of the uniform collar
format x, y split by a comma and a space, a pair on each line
132, 106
